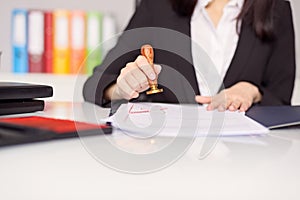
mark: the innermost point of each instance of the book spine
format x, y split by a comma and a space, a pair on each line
48, 55
61, 48
93, 41
19, 40
77, 42
36, 41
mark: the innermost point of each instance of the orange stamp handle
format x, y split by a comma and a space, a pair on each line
148, 52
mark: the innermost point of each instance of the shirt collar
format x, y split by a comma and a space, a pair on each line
201, 4
238, 3
204, 3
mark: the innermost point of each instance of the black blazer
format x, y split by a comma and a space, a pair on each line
270, 65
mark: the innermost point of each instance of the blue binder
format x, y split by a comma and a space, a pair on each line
19, 40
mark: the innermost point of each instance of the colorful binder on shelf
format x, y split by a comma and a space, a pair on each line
36, 41
93, 41
60, 41
61, 48
77, 41
19, 40
48, 31
109, 31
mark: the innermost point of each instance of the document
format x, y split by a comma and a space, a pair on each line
177, 120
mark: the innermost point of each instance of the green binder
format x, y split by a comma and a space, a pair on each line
93, 41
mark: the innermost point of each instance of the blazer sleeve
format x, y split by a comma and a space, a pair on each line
106, 74
279, 76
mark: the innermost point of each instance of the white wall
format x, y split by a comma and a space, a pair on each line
121, 9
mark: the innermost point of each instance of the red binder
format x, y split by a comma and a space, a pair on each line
35, 41
48, 55
33, 129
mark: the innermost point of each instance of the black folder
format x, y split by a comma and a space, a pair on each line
274, 117
16, 98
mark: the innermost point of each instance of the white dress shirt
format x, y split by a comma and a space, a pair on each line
219, 43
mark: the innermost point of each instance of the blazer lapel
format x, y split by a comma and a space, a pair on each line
242, 54
182, 25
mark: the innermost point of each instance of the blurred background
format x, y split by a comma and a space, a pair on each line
119, 11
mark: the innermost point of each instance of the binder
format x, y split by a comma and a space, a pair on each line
93, 41
19, 40
36, 41
21, 91
19, 98
109, 31
77, 35
61, 59
12, 107
274, 117
48, 54
20, 130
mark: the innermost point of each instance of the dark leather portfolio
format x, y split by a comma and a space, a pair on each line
275, 116
16, 98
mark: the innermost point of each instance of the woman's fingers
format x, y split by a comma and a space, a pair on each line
157, 68
213, 102
203, 99
142, 83
143, 64
245, 106
234, 105
124, 90
134, 78
132, 82
228, 99
218, 102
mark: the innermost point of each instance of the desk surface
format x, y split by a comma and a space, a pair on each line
263, 167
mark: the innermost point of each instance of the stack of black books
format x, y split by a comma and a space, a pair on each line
17, 98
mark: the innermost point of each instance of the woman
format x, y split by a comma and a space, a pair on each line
256, 54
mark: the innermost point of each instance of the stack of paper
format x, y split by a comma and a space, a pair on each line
151, 119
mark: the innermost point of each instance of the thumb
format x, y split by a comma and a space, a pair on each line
203, 99
157, 68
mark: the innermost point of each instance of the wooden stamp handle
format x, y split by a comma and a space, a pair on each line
148, 52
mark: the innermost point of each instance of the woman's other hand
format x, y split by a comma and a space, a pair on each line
240, 97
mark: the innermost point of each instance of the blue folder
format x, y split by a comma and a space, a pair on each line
19, 40
274, 117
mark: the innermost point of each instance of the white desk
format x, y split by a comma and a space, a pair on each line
240, 168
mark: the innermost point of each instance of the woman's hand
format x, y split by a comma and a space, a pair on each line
133, 79
240, 96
